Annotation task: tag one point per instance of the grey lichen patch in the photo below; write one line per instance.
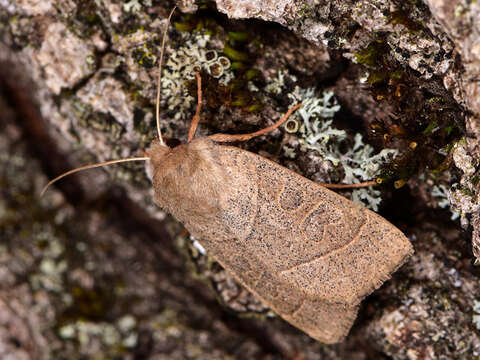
(29, 7)
(333, 147)
(42, 258)
(32, 256)
(419, 44)
(414, 37)
(464, 195)
(196, 53)
(107, 95)
(193, 52)
(476, 314)
(53, 264)
(64, 58)
(281, 11)
(101, 338)
(441, 194)
(132, 6)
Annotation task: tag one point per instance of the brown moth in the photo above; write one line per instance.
(306, 252)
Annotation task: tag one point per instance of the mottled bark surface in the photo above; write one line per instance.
(95, 270)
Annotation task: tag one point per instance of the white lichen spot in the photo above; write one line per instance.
(81, 246)
(276, 84)
(290, 152)
(52, 266)
(364, 78)
(67, 331)
(107, 334)
(110, 335)
(392, 324)
(476, 315)
(50, 276)
(130, 341)
(47, 266)
(132, 6)
(441, 193)
(127, 323)
(198, 246)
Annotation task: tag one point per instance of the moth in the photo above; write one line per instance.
(306, 252)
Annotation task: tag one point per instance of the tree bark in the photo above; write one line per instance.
(95, 270)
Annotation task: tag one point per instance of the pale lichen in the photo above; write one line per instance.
(441, 194)
(64, 57)
(52, 265)
(463, 196)
(317, 133)
(132, 6)
(103, 334)
(476, 315)
(198, 52)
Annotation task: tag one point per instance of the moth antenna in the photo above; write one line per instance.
(245, 137)
(160, 76)
(91, 166)
(196, 117)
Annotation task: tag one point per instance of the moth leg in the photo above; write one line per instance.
(350, 186)
(196, 117)
(245, 137)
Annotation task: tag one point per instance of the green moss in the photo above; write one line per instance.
(370, 56)
(376, 77)
(144, 56)
(235, 55)
(86, 19)
(401, 17)
(237, 65)
(396, 75)
(183, 26)
(430, 127)
(199, 22)
(238, 36)
(422, 115)
(255, 108)
(252, 74)
(88, 304)
(475, 179)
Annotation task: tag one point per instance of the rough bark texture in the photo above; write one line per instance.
(95, 270)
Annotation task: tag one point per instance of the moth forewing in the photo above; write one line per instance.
(305, 251)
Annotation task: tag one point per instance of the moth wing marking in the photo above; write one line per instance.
(350, 273)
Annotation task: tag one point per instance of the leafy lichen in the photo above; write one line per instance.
(317, 133)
